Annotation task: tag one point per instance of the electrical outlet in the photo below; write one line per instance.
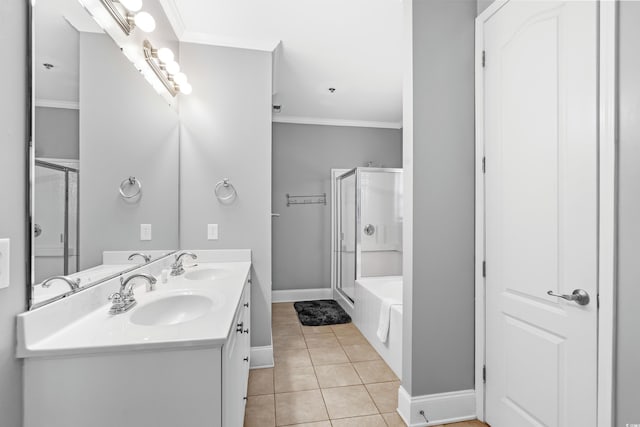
(212, 231)
(5, 262)
(145, 231)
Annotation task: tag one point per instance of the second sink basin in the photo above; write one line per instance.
(171, 310)
(206, 274)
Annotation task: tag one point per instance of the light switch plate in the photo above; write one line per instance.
(5, 262)
(145, 231)
(212, 231)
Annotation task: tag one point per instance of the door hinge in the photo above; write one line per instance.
(484, 165)
(484, 373)
(484, 269)
(484, 59)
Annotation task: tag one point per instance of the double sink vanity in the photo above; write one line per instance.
(166, 344)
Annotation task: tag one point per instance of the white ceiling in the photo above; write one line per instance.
(353, 46)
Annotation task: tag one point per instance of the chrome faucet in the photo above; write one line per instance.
(123, 300)
(177, 267)
(73, 284)
(146, 257)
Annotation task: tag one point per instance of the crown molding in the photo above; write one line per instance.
(53, 103)
(335, 122)
(175, 18)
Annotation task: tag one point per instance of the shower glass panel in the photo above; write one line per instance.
(370, 226)
(380, 223)
(347, 234)
(56, 220)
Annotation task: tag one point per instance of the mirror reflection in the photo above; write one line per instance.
(104, 177)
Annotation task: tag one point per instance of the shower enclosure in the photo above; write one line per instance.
(368, 241)
(55, 234)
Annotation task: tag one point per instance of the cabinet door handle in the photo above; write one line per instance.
(239, 327)
(246, 304)
(246, 331)
(246, 359)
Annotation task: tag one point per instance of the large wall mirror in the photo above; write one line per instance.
(104, 158)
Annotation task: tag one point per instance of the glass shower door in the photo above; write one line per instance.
(347, 234)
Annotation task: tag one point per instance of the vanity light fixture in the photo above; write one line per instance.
(162, 62)
(124, 13)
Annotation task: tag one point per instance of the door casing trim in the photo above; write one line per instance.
(607, 215)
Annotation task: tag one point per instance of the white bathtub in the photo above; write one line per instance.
(369, 293)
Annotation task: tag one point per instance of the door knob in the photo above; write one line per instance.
(580, 296)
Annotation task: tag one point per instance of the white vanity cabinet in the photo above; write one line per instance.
(105, 371)
(235, 365)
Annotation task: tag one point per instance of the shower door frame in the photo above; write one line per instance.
(336, 226)
(65, 251)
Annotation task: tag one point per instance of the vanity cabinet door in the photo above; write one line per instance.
(235, 367)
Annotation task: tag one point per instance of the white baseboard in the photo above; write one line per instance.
(439, 408)
(292, 295)
(262, 357)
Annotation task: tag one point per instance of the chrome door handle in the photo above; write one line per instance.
(580, 296)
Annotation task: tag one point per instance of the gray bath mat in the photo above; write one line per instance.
(321, 312)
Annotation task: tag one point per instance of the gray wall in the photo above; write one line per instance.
(226, 133)
(628, 339)
(126, 129)
(57, 133)
(439, 296)
(13, 31)
(303, 156)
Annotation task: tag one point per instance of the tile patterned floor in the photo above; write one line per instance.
(324, 376)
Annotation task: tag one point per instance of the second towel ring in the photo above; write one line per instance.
(225, 191)
(130, 182)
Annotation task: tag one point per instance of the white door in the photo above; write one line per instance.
(541, 212)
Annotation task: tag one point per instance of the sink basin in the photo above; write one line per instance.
(206, 274)
(171, 310)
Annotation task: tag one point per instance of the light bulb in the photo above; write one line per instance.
(172, 67)
(145, 22)
(165, 55)
(186, 88)
(132, 5)
(180, 79)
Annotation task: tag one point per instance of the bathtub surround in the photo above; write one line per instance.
(439, 208)
(303, 156)
(13, 139)
(226, 133)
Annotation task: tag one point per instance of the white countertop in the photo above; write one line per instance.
(97, 331)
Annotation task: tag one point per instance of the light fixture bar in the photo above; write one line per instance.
(123, 21)
(149, 51)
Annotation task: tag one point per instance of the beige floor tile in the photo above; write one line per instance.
(374, 372)
(260, 411)
(280, 318)
(385, 395)
(300, 407)
(321, 341)
(369, 421)
(352, 338)
(289, 342)
(337, 375)
(344, 328)
(393, 420)
(282, 307)
(361, 352)
(289, 379)
(286, 329)
(311, 330)
(318, 424)
(292, 358)
(347, 402)
(328, 356)
(260, 382)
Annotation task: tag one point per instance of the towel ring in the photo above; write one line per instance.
(225, 191)
(129, 182)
